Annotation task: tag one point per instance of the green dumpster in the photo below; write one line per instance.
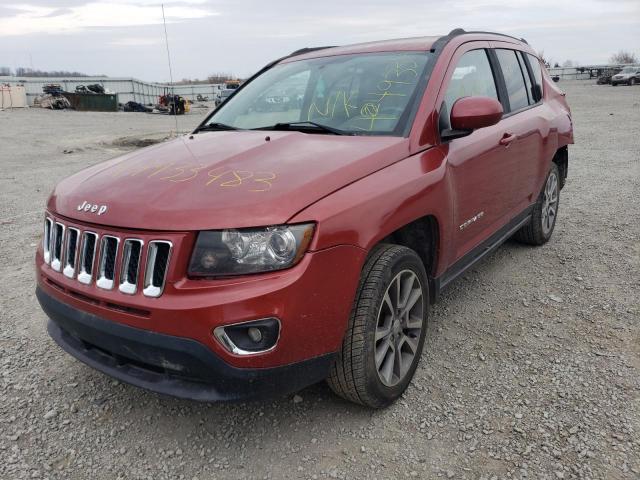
(93, 102)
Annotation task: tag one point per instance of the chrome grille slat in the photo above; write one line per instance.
(129, 269)
(87, 257)
(71, 252)
(155, 274)
(107, 263)
(57, 244)
(46, 240)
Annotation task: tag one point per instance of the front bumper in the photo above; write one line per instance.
(312, 300)
(167, 364)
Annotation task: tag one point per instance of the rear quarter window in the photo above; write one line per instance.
(537, 73)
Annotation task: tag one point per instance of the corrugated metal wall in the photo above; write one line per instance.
(568, 73)
(583, 72)
(127, 88)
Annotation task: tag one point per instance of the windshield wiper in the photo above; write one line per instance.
(215, 126)
(313, 126)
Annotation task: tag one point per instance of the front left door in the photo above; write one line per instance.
(477, 164)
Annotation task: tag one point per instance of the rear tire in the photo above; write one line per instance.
(387, 328)
(545, 212)
(632, 82)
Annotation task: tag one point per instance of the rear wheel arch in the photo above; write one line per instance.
(561, 159)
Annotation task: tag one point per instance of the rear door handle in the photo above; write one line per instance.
(507, 138)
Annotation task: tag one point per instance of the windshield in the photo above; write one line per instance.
(361, 94)
(628, 70)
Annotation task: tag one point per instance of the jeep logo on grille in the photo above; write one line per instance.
(92, 207)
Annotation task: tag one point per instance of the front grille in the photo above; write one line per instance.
(156, 270)
(107, 265)
(57, 239)
(71, 252)
(131, 253)
(46, 240)
(88, 257)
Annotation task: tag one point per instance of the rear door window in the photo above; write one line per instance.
(513, 79)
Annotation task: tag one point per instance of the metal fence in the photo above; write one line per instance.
(128, 89)
(585, 72)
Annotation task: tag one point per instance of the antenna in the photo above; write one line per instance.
(173, 95)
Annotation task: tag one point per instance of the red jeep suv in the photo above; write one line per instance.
(302, 231)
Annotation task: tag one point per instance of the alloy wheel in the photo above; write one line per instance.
(550, 203)
(398, 329)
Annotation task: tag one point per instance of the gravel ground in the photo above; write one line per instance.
(530, 368)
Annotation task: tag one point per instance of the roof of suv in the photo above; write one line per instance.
(399, 44)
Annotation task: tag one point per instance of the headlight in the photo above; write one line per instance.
(250, 250)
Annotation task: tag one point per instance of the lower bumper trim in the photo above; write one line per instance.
(176, 366)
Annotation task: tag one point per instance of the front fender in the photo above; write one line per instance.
(370, 209)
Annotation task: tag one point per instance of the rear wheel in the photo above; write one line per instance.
(543, 218)
(386, 331)
(632, 81)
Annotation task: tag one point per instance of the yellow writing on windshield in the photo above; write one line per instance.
(397, 81)
(329, 109)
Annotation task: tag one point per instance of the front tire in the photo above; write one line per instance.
(387, 329)
(545, 212)
(632, 82)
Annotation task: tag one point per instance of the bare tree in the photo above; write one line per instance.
(624, 57)
(30, 72)
(5, 71)
(544, 59)
(220, 77)
(567, 64)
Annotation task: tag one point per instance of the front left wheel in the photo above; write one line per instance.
(387, 328)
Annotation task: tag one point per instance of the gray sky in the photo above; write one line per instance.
(125, 37)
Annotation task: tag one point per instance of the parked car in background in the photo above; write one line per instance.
(224, 94)
(270, 250)
(627, 76)
(605, 78)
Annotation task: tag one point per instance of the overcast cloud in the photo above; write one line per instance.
(125, 38)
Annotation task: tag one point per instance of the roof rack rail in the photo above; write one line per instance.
(459, 31)
(308, 49)
(442, 41)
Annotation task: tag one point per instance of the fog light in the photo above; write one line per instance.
(257, 336)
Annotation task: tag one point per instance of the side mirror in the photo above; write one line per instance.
(470, 113)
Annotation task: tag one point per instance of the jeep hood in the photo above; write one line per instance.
(221, 179)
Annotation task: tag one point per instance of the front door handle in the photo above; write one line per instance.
(507, 138)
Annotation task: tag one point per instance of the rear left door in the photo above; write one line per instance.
(525, 125)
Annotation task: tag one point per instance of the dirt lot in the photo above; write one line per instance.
(531, 368)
